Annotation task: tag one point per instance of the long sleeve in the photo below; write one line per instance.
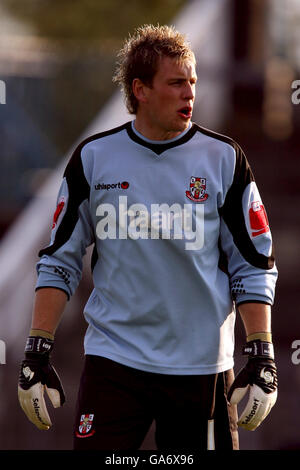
(60, 263)
(246, 239)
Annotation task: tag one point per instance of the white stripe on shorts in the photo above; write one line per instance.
(210, 435)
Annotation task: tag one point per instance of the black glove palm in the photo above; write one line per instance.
(36, 376)
(259, 376)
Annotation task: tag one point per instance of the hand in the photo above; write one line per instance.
(36, 376)
(259, 376)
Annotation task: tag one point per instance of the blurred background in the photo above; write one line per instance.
(57, 59)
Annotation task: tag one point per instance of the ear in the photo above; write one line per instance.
(140, 90)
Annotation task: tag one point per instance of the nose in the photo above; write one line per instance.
(189, 91)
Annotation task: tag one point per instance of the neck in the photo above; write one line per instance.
(153, 132)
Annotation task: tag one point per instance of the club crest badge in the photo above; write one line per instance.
(85, 426)
(197, 191)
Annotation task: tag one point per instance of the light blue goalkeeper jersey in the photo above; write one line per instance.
(180, 237)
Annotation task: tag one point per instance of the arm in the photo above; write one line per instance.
(247, 242)
(256, 318)
(59, 272)
(48, 308)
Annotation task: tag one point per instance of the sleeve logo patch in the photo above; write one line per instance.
(258, 219)
(58, 211)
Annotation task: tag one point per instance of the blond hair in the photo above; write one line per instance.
(140, 55)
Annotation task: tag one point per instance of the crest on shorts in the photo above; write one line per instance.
(85, 426)
(197, 191)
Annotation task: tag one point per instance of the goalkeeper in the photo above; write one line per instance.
(181, 243)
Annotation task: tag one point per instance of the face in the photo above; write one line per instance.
(165, 108)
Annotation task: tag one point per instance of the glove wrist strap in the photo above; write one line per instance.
(43, 333)
(38, 345)
(262, 335)
(258, 348)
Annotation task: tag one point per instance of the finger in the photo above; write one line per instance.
(55, 396)
(257, 409)
(54, 388)
(237, 394)
(33, 404)
(239, 387)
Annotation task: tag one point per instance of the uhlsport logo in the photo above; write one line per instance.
(107, 187)
(197, 191)
(159, 221)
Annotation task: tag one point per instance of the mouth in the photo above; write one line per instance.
(185, 112)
